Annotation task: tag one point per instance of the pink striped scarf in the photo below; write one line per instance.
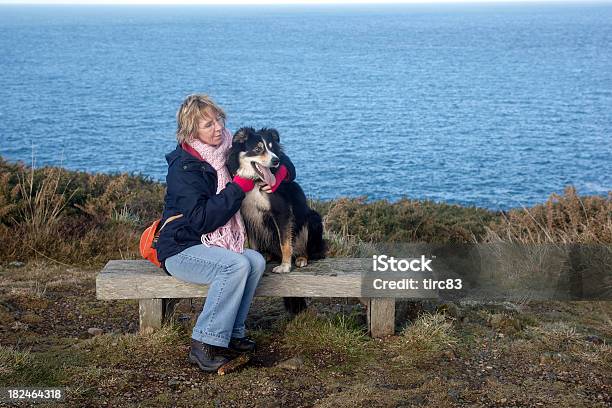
(231, 235)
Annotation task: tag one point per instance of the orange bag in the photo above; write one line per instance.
(149, 238)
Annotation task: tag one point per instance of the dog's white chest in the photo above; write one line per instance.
(254, 208)
(254, 204)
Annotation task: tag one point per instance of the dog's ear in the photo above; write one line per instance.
(232, 163)
(273, 133)
(242, 135)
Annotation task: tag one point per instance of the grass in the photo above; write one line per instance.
(76, 218)
(434, 361)
(326, 341)
(12, 360)
(430, 332)
(21, 367)
(565, 219)
(73, 218)
(66, 224)
(113, 350)
(425, 339)
(405, 220)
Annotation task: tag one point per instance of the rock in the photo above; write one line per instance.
(172, 382)
(16, 264)
(293, 363)
(594, 339)
(94, 331)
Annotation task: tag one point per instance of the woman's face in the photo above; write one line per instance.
(210, 128)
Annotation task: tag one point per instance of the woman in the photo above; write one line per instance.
(204, 240)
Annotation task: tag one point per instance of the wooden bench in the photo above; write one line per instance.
(158, 292)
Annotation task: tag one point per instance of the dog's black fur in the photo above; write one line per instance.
(278, 220)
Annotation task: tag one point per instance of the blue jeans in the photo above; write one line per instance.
(232, 279)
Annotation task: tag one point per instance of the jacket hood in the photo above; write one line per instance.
(173, 155)
(177, 154)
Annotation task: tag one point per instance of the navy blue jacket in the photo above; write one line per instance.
(192, 191)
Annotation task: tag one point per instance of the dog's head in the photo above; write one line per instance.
(255, 154)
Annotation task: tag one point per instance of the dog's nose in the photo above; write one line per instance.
(275, 161)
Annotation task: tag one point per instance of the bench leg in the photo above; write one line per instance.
(381, 316)
(153, 312)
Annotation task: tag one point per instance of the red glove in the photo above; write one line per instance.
(280, 175)
(245, 184)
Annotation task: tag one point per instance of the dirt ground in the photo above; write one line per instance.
(443, 355)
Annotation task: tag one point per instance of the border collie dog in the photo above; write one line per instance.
(279, 224)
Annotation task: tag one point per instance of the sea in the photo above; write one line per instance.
(489, 105)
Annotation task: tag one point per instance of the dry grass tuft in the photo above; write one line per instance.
(326, 341)
(73, 217)
(430, 332)
(112, 350)
(41, 201)
(556, 336)
(566, 219)
(426, 339)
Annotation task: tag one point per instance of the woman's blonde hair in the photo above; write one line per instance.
(191, 111)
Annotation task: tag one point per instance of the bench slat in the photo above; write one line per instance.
(139, 279)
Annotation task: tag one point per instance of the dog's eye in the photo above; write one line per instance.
(258, 149)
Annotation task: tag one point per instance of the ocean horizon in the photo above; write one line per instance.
(491, 105)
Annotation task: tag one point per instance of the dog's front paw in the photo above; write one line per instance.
(301, 261)
(282, 268)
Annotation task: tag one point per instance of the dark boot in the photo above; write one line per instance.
(242, 345)
(206, 356)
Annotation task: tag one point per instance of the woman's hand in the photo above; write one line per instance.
(280, 175)
(245, 184)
